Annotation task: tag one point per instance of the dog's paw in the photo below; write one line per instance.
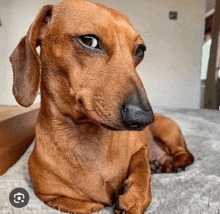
(168, 166)
(155, 167)
(178, 163)
(118, 210)
(133, 200)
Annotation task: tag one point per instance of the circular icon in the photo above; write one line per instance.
(19, 197)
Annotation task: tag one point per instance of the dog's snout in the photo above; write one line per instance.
(136, 114)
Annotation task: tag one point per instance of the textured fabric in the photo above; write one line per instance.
(196, 190)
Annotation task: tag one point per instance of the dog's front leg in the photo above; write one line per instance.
(137, 191)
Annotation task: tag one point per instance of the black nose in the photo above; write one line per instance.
(136, 113)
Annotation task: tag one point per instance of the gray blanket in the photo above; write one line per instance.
(196, 190)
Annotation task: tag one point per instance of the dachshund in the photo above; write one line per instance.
(97, 138)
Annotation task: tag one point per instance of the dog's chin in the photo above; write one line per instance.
(111, 127)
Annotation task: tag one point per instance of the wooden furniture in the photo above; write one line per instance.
(211, 89)
(17, 131)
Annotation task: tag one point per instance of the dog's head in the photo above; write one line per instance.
(86, 67)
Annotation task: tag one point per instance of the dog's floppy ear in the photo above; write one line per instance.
(26, 62)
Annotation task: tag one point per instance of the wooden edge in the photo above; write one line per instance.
(7, 112)
(17, 131)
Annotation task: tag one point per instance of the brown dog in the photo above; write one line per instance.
(86, 72)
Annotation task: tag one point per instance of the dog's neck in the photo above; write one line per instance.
(69, 135)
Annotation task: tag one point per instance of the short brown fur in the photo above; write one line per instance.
(77, 165)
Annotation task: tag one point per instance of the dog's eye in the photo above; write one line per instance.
(139, 52)
(89, 41)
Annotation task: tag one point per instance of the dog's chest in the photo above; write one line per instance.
(109, 179)
(112, 167)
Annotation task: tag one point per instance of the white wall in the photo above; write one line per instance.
(5, 79)
(171, 68)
